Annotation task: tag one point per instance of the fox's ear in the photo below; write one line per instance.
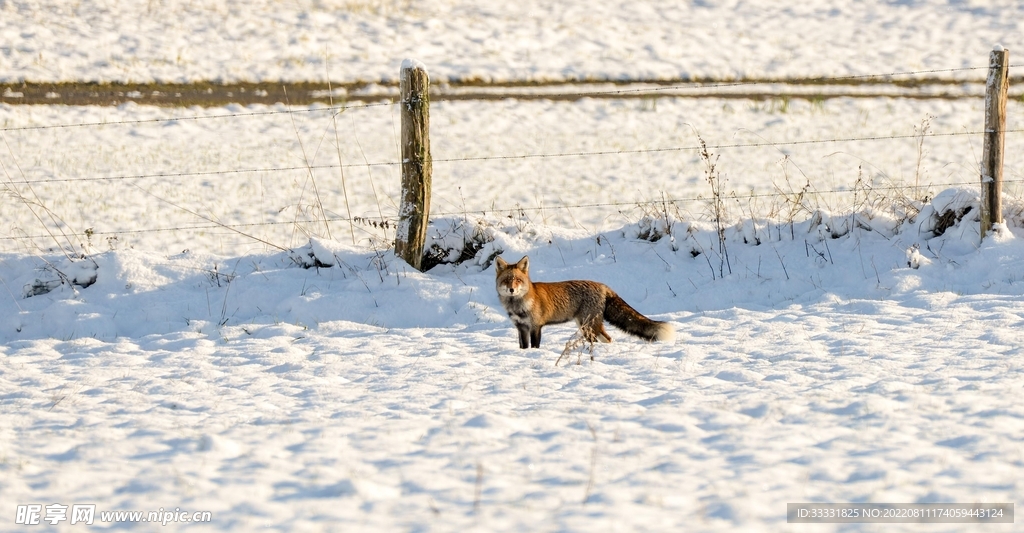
(524, 264)
(501, 263)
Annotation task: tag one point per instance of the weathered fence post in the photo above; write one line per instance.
(995, 134)
(416, 164)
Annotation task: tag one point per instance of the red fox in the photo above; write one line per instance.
(532, 306)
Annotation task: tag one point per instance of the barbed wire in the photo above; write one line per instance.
(760, 144)
(197, 174)
(517, 208)
(200, 227)
(731, 196)
(309, 109)
(339, 109)
(690, 84)
(598, 153)
(804, 81)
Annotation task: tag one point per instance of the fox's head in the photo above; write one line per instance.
(512, 280)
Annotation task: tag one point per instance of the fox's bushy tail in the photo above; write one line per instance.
(621, 315)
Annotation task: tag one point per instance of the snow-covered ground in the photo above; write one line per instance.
(844, 353)
(366, 395)
(366, 40)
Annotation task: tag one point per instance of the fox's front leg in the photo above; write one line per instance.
(524, 335)
(535, 338)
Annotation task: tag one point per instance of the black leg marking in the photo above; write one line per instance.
(524, 336)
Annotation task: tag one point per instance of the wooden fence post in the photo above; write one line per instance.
(995, 133)
(414, 211)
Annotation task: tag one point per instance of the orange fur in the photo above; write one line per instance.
(533, 305)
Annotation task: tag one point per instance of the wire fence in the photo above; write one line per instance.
(648, 88)
(510, 157)
(394, 220)
(15, 179)
(250, 114)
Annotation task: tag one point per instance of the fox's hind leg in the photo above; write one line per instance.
(593, 330)
(602, 335)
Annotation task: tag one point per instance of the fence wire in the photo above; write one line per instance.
(391, 221)
(823, 80)
(338, 109)
(598, 153)
(311, 109)
(804, 81)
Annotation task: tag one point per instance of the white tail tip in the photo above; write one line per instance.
(666, 333)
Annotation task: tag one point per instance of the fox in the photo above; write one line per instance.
(533, 305)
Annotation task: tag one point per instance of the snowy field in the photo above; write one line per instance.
(368, 396)
(221, 348)
(265, 171)
(366, 40)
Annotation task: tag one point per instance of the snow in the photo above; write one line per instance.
(410, 63)
(366, 40)
(212, 344)
(251, 167)
(366, 394)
